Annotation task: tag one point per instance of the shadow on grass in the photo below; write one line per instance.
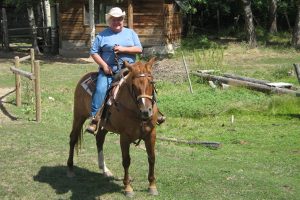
(85, 185)
(290, 115)
(3, 109)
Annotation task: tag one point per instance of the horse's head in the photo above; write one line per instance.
(142, 86)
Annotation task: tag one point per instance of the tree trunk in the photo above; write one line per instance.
(92, 21)
(287, 21)
(54, 29)
(34, 30)
(251, 35)
(296, 32)
(5, 29)
(218, 20)
(47, 25)
(273, 16)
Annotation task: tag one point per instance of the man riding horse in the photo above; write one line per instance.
(111, 48)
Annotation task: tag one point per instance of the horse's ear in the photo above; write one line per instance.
(152, 60)
(150, 63)
(128, 66)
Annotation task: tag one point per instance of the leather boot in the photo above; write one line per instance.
(93, 126)
(160, 119)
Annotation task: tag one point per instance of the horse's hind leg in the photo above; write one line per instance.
(75, 136)
(100, 138)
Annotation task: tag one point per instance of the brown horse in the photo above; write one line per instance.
(133, 115)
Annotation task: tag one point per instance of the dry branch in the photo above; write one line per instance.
(205, 143)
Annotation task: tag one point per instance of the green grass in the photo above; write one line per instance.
(258, 159)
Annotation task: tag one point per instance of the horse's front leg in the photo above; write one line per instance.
(100, 138)
(150, 147)
(125, 144)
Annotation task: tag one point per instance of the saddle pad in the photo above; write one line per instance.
(89, 84)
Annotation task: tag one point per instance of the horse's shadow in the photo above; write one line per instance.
(85, 185)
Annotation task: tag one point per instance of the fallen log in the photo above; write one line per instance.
(203, 143)
(256, 86)
(242, 78)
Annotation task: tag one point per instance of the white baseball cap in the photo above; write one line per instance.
(114, 12)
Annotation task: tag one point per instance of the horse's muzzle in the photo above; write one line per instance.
(146, 113)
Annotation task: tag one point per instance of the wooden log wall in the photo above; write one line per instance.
(149, 20)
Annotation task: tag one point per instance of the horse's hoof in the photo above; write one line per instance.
(153, 191)
(108, 174)
(70, 174)
(129, 194)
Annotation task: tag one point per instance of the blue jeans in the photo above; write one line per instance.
(102, 85)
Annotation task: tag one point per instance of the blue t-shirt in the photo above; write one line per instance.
(107, 39)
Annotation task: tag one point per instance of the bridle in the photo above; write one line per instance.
(141, 96)
(144, 75)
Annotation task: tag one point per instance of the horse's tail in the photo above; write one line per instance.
(81, 111)
(79, 141)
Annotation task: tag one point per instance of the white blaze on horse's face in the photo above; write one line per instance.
(144, 94)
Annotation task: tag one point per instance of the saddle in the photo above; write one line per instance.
(89, 85)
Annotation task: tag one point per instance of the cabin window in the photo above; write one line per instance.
(101, 7)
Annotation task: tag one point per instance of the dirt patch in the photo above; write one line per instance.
(169, 69)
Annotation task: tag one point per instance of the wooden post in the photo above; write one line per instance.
(37, 90)
(297, 70)
(32, 59)
(187, 73)
(130, 14)
(18, 82)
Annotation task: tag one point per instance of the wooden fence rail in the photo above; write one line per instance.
(34, 75)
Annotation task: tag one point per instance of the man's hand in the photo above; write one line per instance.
(107, 70)
(118, 49)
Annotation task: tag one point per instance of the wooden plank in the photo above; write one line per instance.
(148, 14)
(149, 32)
(146, 24)
(23, 73)
(24, 58)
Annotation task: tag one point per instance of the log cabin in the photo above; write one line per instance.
(158, 24)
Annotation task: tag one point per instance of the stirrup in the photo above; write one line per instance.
(161, 119)
(93, 126)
